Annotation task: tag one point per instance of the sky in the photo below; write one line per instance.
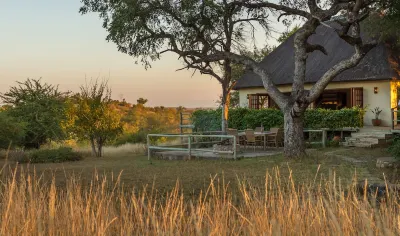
(49, 39)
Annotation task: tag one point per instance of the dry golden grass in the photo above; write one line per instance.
(125, 149)
(32, 206)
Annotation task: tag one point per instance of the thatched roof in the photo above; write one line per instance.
(376, 65)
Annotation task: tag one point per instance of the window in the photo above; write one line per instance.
(260, 101)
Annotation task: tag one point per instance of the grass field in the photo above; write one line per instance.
(108, 196)
(194, 175)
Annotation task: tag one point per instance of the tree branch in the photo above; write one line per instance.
(278, 7)
(318, 88)
(270, 87)
(312, 5)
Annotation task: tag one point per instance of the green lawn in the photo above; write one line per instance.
(194, 175)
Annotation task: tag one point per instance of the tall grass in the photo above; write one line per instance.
(31, 206)
(124, 149)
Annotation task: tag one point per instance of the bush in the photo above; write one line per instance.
(139, 137)
(62, 154)
(394, 149)
(242, 118)
(11, 131)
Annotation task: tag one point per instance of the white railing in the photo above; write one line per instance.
(190, 144)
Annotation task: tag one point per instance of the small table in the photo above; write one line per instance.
(259, 134)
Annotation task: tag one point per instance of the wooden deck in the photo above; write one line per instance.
(183, 155)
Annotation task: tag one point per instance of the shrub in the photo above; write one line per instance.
(138, 137)
(242, 118)
(394, 149)
(11, 131)
(61, 154)
(207, 120)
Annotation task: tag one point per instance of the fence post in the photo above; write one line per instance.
(148, 148)
(324, 137)
(190, 146)
(234, 147)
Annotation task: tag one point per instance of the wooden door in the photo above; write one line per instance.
(357, 97)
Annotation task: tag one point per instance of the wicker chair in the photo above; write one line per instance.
(250, 138)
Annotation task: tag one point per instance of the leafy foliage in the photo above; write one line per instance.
(286, 34)
(41, 107)
(93, 118)
(383, 24)
(394, 149)
(242, 118)
(62, 154)
(377, 111)
(11, 131)
(138, 121)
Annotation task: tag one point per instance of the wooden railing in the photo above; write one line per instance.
(189, 144)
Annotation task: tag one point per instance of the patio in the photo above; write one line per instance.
(231, 145)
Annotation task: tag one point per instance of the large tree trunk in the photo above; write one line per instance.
(100, 144)
(99, 150)
(294, 137)
(92, 143)
(226, 101)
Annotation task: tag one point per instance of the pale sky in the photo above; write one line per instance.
(51, 40)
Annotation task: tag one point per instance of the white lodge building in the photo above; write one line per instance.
(373, 83)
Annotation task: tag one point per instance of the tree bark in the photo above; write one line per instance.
(92, 143)
(226, 100)
(294, 146)
(99, 150)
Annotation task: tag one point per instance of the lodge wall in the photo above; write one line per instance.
(382, 99)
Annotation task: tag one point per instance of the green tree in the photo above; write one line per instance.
(142, 101)
(384, 23)
(12, 132)
(93, 117)
(204, 33)
(41, 107)
(286, 34)
(148, 29)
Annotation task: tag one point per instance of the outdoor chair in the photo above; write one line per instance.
(276, 138)
(250, 139)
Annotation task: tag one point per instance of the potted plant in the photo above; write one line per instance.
(376, 121)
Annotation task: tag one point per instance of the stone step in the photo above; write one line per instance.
(360, 145)
(364, 144)
(366, 140)
(384, 135)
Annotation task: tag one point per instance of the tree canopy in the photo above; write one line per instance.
(12, 132)
(41, 107)
(93, 117)
(190, 28)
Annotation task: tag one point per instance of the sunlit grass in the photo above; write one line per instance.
(32, 206)
(125, 149)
